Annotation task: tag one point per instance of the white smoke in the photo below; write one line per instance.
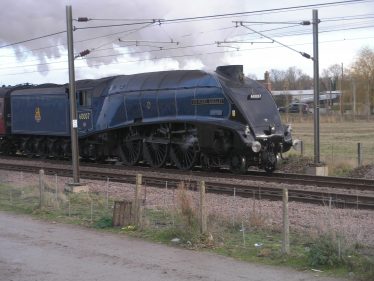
(26, 19)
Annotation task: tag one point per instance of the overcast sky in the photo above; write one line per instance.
(192, 44)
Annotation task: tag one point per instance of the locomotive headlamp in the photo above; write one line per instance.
(289, 128)
(256, 146)
(247, 131)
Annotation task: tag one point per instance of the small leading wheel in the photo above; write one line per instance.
(185, 155)
(156, 154)
(238, 164)
(269, 161)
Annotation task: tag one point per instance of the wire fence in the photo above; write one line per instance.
(354, 154)
(248, 224)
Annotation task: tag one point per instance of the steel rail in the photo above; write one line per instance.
(331, 197)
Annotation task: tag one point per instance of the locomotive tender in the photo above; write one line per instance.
(184, 117)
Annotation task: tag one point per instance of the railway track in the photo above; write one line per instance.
(277, 177)
(339, 192)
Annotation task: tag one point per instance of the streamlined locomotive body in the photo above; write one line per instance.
(184, 118)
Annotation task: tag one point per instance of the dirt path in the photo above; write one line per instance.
(32, 250)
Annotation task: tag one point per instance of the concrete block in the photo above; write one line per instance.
(76, 188)
(321, 170)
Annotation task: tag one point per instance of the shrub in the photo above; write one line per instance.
(328, 251)
(104, 222)
(186, 222)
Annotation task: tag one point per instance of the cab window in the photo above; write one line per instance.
(85, 98)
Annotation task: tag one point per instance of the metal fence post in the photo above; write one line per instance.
(203, 222)
(41, 188)
(286, 225)
(138, 188)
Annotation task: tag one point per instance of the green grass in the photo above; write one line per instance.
(338, 141)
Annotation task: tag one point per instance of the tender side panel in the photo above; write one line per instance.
(40, 114)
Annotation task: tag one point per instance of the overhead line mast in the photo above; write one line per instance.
(72, 98)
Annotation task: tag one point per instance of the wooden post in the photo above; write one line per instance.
(286, 225)
(41, 188)
(107, 192)
(302, 148)
(56, 187)
(359, 154)
(203, 222)
(137, 203)
(122, 213)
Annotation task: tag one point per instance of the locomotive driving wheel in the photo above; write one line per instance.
(130, 148)
(156, 147)
(156, 153)
(185, 153)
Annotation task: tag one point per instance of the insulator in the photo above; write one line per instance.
(84, 53)
(305, 22)
(83, 19)
(305, 55)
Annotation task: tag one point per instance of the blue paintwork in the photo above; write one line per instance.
(168, 96)
(159, 97)
(40, 112)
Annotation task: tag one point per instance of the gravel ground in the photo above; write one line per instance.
(366, 172)
(33, 250)
(355, 225)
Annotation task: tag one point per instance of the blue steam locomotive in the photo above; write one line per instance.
(184, 118)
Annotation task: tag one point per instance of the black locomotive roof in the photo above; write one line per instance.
(90, 83)
(163, 80)
(49, 89)
(4, 91)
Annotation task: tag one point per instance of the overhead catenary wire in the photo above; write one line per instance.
(215, 16)
(115, 25)
(192, 46)
(32, 39)
(97, 48)
(179, 56)
(280, 43)
(83, 40)
(188, 46)
(332, 19)
(208, 17)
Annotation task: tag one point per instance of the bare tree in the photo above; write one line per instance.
(363, 73)
(290, 79)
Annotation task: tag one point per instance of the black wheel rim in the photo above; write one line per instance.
(270, 162)
(238, 164)
(156, 154)
(130, 152)
(184, 156)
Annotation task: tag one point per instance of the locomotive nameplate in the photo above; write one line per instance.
(207, 101)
